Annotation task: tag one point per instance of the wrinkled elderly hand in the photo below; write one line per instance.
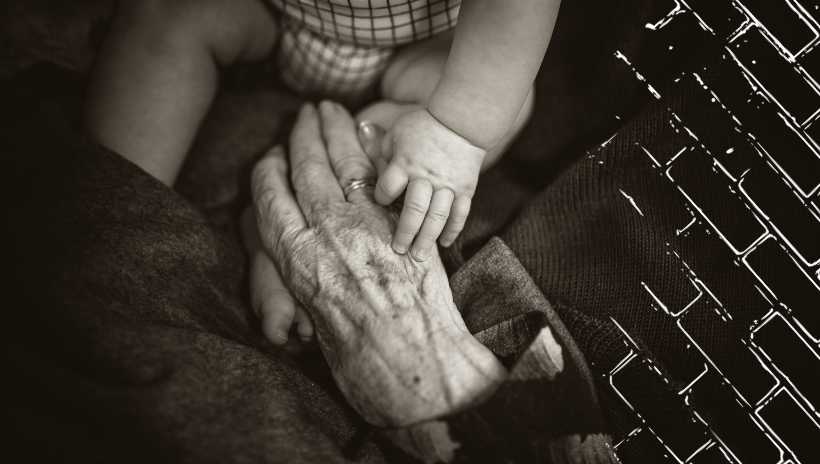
(387, 325)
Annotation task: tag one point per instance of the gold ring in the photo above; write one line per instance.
(357, 184)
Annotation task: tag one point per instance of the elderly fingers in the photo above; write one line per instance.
(313, 180)
(304, 325)
(270, 299)
(346, 155)
(434, 223)
(416, 203)
(456, 221)
(277, 213)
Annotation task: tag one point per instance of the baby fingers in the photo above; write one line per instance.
(456, 221)
(433, 224)
(416, 203)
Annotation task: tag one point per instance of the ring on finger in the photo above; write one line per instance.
(357, 184)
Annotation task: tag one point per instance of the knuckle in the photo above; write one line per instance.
(427, 235)
(422, 246)
(347, 163)
(415, 207)
(303, 163)
(437, 215)
(284, 246)
(262, 171)
(384, 189)
(305, 169)
(264, 199)
(456, 222)
(404, 236)
(422, 184)
(402, 244)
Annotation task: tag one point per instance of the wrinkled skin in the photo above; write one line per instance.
(387, 325)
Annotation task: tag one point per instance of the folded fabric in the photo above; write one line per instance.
(134, 338)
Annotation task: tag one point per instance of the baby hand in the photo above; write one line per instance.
(437, 170)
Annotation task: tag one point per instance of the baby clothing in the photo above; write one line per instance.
(340, 48)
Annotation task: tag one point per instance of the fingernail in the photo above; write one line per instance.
(420, 255)
(325, 106)
(279, 338)
(400, 249)
(277, 151)
(366, 130)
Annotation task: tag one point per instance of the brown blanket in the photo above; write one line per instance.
(135, 340)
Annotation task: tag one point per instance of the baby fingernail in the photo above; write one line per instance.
(366, 129)
(420, 254)
(399, 248)
(279, 338)
(307, 109)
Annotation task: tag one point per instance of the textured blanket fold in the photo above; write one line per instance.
(135, 340)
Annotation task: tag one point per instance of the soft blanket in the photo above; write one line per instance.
(133, 339)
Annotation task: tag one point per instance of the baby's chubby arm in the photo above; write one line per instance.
(437, 151)
(496, 53)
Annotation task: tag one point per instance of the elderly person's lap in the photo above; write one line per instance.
(136, 316)
(134, 339)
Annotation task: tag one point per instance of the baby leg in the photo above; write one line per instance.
(157, 73)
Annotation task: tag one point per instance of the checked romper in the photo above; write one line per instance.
(341, 48)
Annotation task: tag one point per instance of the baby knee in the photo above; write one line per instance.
(415, 71)
(411, 79)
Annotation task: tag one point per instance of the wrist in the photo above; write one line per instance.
(400, 348)
(477, 147)
(475, 118)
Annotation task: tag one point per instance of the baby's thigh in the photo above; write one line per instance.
(416, 69)
(231, 30)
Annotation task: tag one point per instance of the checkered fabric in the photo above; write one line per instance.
(340, 48)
